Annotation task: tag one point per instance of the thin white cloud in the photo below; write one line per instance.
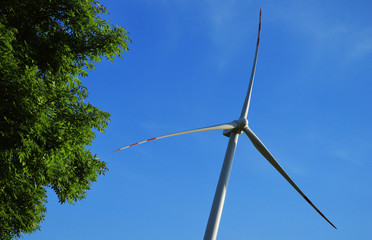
(227, 28)
(325, 29)
(363, 43)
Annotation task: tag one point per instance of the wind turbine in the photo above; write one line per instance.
(233, 130)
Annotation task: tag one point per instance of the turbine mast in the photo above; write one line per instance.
(219, 197)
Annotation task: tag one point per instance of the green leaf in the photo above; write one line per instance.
(47, 48)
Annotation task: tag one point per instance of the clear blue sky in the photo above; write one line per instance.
(189, 67)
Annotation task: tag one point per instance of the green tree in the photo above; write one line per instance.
(46, 47)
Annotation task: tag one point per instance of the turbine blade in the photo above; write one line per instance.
(265, 152)
(215, 127)
(248, 96)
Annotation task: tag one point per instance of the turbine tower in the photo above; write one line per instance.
(233, 130)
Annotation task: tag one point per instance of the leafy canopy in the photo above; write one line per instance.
(46, 46)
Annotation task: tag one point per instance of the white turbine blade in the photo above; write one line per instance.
(215, 127)
(248, 96)
(265, 152)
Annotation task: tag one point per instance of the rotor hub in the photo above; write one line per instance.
(240, 124)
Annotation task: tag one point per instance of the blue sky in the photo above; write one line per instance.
(189, 67)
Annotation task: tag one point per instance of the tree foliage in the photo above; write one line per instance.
(46, 47)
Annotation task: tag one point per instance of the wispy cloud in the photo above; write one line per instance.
(363, 43)
(324, 28)
(227, 28)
